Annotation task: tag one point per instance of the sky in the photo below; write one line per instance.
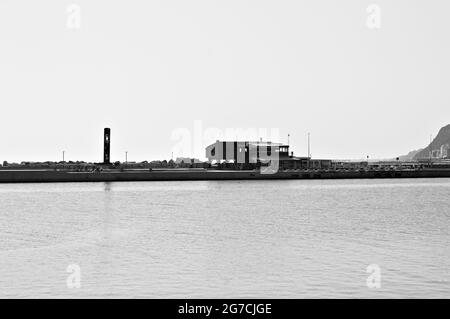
(174, 76)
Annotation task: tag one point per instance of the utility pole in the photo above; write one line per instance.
(309, 150)
(431, 150)
(288, 138)
(309, 145)
(126, 157)
(63, 154)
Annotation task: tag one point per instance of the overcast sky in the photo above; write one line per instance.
(149, 68)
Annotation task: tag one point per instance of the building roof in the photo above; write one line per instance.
(254, 143)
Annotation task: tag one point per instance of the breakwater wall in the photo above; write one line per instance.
(50, 176)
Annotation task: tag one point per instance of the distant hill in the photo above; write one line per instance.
(410, 156)
(439, 147)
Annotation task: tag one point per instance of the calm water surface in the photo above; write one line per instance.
(274, 239)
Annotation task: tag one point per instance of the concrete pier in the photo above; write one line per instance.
(52, 176)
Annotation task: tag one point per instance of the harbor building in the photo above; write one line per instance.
(250, 155)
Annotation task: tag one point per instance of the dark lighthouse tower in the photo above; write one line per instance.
(107, 146)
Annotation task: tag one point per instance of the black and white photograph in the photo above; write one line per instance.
(246, 150)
